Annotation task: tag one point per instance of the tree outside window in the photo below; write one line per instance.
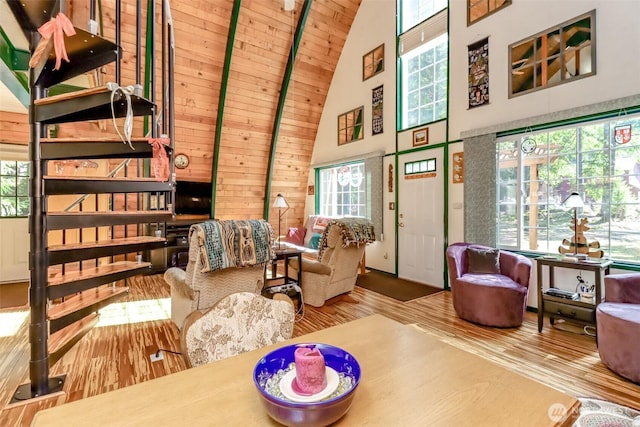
(14, 189)
(538, 171)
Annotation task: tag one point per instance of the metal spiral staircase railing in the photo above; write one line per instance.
(80, 256)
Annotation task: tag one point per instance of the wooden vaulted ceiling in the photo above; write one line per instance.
(248, 163)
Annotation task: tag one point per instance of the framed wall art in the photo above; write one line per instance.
(373, 62)
(479, 73)
(420, 137)
(376, 110)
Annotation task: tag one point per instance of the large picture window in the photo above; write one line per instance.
(536, 172)
(413, 12)
(343, 191)
(14, 189)
(424, 72)
(557, 55)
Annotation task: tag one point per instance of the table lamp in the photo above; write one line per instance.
(574, 201)
(281, 204)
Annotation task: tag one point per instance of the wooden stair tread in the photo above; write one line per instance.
(71, 95)
(114, 213)
(104, 243)
(102, 178)
(64, 339)
(85, 299)
(102, 270)
(90, 139)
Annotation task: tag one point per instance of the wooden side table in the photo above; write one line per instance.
(582, 311)
(285, 254)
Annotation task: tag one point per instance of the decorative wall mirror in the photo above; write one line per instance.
(350, 126)
(373, 62)
(478, 9)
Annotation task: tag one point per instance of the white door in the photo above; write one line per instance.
(14, 232)
(421, 217)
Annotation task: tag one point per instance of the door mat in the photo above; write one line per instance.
(391, 286)
(14, 295)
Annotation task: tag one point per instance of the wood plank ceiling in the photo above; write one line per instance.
(262, 42)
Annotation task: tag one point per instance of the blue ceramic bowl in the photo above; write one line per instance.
(297, 414)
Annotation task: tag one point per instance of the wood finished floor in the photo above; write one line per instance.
(112, 357)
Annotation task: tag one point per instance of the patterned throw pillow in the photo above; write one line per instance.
(320, 224)
(314, 243)
(296, 236)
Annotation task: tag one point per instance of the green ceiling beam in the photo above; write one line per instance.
(284, 88)
(13, 60)
(233, 25)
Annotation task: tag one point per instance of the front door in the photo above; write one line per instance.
(421, 216)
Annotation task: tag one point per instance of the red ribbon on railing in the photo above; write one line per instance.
(160, 161)
(56, 27)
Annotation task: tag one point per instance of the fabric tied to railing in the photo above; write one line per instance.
(57, 28)
(160, 161)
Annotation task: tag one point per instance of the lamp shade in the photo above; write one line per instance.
(280, 202)
(573, 201)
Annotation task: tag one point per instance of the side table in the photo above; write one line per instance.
(290, 287)
(581, 311)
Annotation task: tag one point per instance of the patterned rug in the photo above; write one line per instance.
(600, 413)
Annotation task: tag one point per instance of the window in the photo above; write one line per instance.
(478, 9)
(557, 55)
(424, 72)
(14, 188)
(343, 191)
(416, 11)
(536, 172)
(350, 126)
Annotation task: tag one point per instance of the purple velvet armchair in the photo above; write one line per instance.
(618, 324)
(493, 296)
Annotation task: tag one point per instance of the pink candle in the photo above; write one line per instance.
(311, 377)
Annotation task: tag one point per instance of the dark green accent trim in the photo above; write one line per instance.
(63, 88)
(445, 270)
(433, 122)
(16, 59)
(423, 148)
(284, 88)
(147, 63)
(568, 122)
(221, 102)
(14, 84)
(317, 192)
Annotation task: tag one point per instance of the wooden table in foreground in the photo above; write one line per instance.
(408, 378)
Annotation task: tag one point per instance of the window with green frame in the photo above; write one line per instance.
(343, 190)
(536, 172)
(14, 189)
(412, 12)
(423, 65)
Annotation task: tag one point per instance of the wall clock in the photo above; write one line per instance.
(181, 161)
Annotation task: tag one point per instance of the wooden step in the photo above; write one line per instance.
(86, 52)
(63, 340)
(71, 252)
(95, 148)
(102, 185)
(65, 220)
(79, 306)
(60, 285)
(88, 104)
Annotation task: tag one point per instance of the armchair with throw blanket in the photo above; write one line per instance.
(335, 271)
(224, 257)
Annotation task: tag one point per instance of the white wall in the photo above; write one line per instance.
(617, 35)
(373, 25)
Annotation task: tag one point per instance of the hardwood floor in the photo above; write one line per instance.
(113, 356)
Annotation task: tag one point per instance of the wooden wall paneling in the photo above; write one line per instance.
(14, 128)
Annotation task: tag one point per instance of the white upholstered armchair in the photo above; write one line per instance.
(335, 271)
(206, 281)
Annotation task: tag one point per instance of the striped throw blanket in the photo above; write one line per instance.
(233, 243)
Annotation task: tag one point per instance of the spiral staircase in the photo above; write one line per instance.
(90, 232)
